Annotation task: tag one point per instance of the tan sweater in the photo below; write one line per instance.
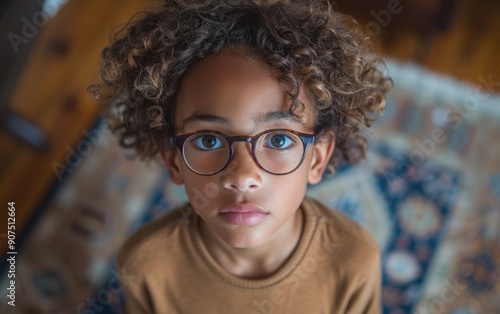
(335, 268)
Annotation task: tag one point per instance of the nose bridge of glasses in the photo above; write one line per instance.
(240, 138)
(245, 139)
(245, 152)
(234, 139)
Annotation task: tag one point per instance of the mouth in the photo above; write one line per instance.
(243, 214)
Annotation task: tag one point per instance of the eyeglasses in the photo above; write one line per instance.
(276, 151)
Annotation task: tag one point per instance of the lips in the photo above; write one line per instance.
(243, 214)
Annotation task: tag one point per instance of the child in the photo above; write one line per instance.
(244, 102)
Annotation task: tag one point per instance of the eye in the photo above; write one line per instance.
(207, 142)
(279, 141)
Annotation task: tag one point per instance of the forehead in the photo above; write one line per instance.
(238, 88)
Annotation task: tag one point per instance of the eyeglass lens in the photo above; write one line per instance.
(277, 152)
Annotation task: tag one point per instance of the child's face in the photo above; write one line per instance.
(231, 93)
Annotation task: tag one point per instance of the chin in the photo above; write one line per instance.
(244, 241)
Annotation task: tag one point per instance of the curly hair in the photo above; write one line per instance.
(303, 42)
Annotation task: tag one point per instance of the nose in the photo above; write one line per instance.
(242, 173)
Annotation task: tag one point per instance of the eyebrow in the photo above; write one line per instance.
(277, 116)
(205, 118)
(261, 118)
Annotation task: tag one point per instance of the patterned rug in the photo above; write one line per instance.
(429, 192)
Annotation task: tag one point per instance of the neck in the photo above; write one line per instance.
(256, 262)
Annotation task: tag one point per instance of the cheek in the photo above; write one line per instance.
(291, 186)
(201, 191)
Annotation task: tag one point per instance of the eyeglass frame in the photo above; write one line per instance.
(307, 139)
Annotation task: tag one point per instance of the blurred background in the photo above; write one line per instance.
(429, 190)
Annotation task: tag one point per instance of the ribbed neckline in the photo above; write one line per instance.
(310, 224)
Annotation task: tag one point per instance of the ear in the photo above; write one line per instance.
(322, 151)
(172, 159)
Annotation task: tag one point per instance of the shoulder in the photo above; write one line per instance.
(352, 264)
(351, 247)
(154, 241)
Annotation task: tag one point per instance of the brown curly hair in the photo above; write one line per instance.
(303, 42)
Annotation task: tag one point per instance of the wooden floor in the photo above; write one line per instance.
(52, 93)
(468, 49)
(52, 90)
